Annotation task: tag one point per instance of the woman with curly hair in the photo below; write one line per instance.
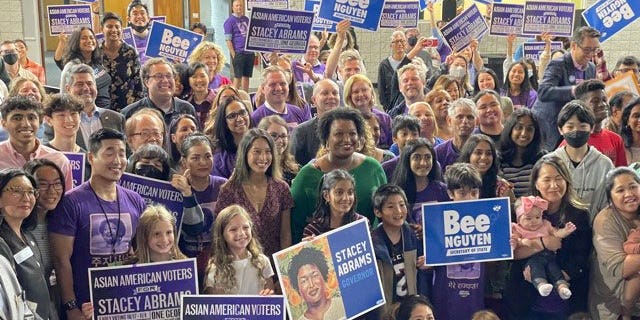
(211, 56)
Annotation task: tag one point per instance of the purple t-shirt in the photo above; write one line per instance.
(446, 154)
(525, 99)
(235, 29)
(302, 77)
(141, 47)
(192, 245)
(100, 237)
(223, 163)
(435, 191)
(384, 120)
(293, 117)
(389, 167)
(458, 290)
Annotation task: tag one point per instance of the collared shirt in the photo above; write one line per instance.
(36, 69)
(12, 159)
(24, 73)
(89, 124)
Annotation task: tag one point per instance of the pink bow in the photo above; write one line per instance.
(529, 202)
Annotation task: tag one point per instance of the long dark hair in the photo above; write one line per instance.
(405, 178)
(526, 84)
(489, 178)
(508, 148)
(73, 49)
(6, 175)
(223, 137)
(625, 131)
(496, 81)
(322, 214)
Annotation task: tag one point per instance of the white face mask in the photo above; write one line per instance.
(457, 72)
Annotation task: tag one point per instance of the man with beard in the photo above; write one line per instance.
(138, 16)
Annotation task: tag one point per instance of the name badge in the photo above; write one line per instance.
(23, 255)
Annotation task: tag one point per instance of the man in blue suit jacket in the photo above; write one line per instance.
(561, 78)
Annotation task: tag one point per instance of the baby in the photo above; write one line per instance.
(531, 226)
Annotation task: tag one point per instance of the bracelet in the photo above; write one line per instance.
(70, 305)
(542, 242)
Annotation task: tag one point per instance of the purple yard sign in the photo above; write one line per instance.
(68, 18)
(506, 19)
(400, 14)
(232, 307)
(553, 17)
(532, 50)
(468, 25)
(284, 31)
(142, 291)
(77, 161)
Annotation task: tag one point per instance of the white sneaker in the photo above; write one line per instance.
(564, 293)
(545, 289)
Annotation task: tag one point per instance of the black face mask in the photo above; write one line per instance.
(10, 58)
(139, 29)
(149, 171)
(577, 138)
(412, 41)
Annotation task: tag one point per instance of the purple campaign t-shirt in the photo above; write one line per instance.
(384, 120)
(223, 163)
(446, 154)
(435, 191)
(235, 28)
(98, 234)
(458, 291)
(141, 47)
(293, 117)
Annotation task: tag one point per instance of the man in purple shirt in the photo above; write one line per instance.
(309, 69)
(462, 119)
(235, 32)
(275, 88)
(138, 16)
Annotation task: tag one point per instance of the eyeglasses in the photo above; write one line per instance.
(161, 76)
(589, 50)
(276, 136)
(399, 41)
(46, 186)
(149, 134)
(17, 193)
(235, 115)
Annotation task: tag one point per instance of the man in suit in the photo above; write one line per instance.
(81, 85)
(304, 139)
(561, 78)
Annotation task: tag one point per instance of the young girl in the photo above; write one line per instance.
(418, 173)
(531, 226)
(518, 87)
(237, 265)
(480, 151)
(200, 191)
(336, 203)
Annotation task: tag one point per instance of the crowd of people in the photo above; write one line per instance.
(318, 146)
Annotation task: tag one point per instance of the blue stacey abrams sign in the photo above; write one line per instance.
(467, 231)
(611, 16)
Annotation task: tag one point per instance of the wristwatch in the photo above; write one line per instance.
(70, 305)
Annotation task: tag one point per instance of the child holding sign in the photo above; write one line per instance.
(458, 289)
(237, 264)
(531, 226)
(336, 204)
(398, 251)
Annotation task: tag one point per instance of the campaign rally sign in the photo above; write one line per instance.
(142, 291)
(68, 18)
(319, 24)
(506, 19)
(468, 25)
(77, 161)
(155, 191)
(204, 307)
(363, 14)
(532, 50)
(274, 4)
(400, 14)
(611, 16)
(162, 19)
(285, 31)
(467, 231)
(552, 17)
(127, 37)
(627, 81)
(352, 282)
(171, 42)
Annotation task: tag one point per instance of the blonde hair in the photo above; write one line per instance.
(428, 106)
(484, 315)
(221, 256)
(203, 47)
(152, 215)
(350, 82)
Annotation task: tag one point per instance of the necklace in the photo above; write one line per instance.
(114, 238)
